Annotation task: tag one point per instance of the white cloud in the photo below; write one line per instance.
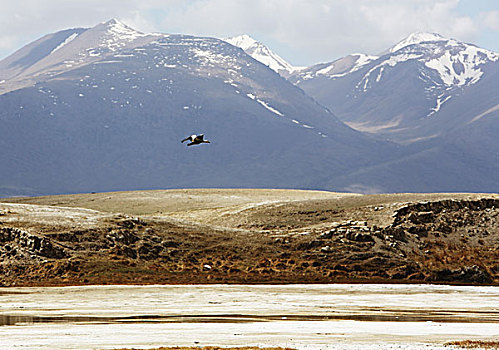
(302, 31)
(491, 20)
(323, 29)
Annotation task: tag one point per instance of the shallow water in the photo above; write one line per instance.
(299, 316)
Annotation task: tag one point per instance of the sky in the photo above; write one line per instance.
(303, 32)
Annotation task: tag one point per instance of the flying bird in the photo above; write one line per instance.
(195, 139)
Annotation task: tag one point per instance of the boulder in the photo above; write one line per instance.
(359, 237)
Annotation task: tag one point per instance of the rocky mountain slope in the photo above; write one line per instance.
(249, 236)
(105, 108)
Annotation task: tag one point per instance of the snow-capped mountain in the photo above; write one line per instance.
(105, 108)
(395, 93)
(456, 63)
(68, 49)
(434, 95)
(263, 54)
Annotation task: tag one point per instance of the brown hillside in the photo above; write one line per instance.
(249, 236)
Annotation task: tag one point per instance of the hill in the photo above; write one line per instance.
(249, 236)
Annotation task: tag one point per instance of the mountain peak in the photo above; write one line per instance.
(113, 26)
(417, 38)
(112, 21)
(243, 41)
(261, 53)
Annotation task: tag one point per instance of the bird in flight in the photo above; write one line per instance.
(195, 139)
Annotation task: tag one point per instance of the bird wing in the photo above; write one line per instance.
(187, 138)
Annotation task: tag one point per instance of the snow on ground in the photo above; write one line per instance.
(440, 102)
(462, 67)
(270, 108)
(118, 34)
(457, 64)
(265, 104)
(68, 40)
(211, 58)
(312, 335)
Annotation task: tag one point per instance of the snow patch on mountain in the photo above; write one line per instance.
(362, 60)
(209, 57)
(244, 41)
(392, 61)
(456, 63)
(461, 67)
(265, 104)
(334, 71)
(68, 40)
(270, 108)
(440, 101)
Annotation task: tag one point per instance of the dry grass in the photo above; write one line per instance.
(162, 202)
(474, 344)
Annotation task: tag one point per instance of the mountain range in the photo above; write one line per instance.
(436, 96)
(105, 109)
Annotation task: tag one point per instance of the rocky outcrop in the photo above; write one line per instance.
(22, 243)
(424, 212)
(438, 241)
(468, 274)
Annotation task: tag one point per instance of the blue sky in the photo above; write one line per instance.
(303, 32)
